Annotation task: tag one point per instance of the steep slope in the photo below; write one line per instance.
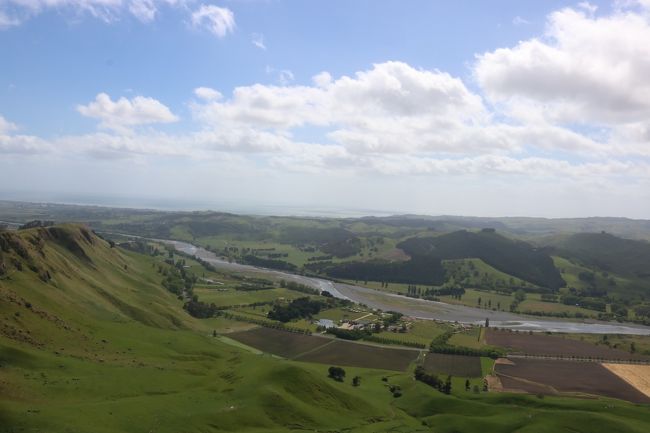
(70, 275)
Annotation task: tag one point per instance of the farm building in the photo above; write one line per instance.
(325, 323)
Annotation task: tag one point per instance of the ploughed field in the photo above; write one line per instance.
(536, 344)
(282, 343)
(309, 348)
(361, 355)
(454, 365)
(552, 377)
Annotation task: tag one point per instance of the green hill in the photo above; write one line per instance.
(514, 258)
(90, 341)
(608, 253)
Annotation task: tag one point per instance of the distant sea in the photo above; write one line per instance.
(169, 204)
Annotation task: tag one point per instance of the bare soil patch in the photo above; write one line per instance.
(454, 365)
(540, 344)
(277, 342)
(361, 355)
(545, 377)
(494, 383)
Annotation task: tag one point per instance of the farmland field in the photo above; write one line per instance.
(454, 365)
(228, 297)
(281, 343)
(468, 338)
(421, 331)
(345, 353)
(640, 343)
(636, 375)
(553, 345)
(549, 377)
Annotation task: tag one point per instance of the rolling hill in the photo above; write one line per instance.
(609, 253)
(516, 258)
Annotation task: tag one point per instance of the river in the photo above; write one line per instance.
(421, 308)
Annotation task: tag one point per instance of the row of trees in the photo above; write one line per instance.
(432, 380)
(262, 322)
(448, 349)
(297, 287)
(440, 345)
(296, 309)
(385, 340)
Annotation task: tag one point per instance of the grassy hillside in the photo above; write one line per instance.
(100, 346)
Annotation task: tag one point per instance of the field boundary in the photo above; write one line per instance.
(311, 350)
(580, 359)
(549, 388)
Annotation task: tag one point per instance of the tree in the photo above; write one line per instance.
(520, 296)
(336, 373)
(356, 381)
(447, 386)
(467, 385)
(487, 322)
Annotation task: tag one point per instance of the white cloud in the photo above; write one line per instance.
(586, 70)
(392, 107)
(23, 145)
(285, 77)
(7, 21)
(14, 12)
(207, 93)
(144, 10)
(124, 113)
(6, 126)
(588, 7)
(219, 21)
(257, 39)
(322, 79)
(19, 144)
(519, 21)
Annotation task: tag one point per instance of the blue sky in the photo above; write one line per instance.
(473, 107)
(58, 59)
